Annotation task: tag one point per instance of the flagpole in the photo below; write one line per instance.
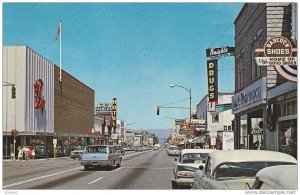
(60, 51)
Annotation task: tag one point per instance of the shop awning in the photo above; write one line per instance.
(222, 108)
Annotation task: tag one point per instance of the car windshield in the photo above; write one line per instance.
(193, 157)
(235, 170)
(174, 148)
(96, 149)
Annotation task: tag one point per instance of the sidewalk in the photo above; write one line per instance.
(38, 159)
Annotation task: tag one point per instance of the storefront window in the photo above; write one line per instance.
(215, 118)
(288, 137)
(243, 133)
(256, 134)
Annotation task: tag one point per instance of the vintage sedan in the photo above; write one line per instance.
(184, 167)
(173, 151)
(77, 152)
(236, 169)
(100, 155)
(282, 177)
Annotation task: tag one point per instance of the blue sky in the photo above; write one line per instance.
(131, 51)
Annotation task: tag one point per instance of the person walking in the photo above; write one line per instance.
(33, 153)
(25, 151)
(20, 153)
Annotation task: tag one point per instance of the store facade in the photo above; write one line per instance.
(269, 120)
(44, 109)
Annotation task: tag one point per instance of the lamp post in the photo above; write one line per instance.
(190, 92)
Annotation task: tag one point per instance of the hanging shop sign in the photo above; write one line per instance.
(217, 53)
(251, 96)
(278, 52)
(104, 108)
(212, 74)
(114, 112)
(39, 102)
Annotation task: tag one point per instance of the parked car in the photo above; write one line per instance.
(40, 151)
(235, 169)
(100, 155)
(77, 152)
(282, 177)
(139, 149)
(155, 148)
(184, 167)
(173, 151)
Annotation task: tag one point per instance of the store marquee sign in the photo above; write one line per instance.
(114, 112)
(250, 97)
(104, 107)
(217, 53)
(278, 52)
(212, 74)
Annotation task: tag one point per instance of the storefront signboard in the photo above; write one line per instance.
(250, 97)
(228, 140)
(278, 52)
(217, 53)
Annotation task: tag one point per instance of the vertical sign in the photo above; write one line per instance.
(212, 74)
(114, 112)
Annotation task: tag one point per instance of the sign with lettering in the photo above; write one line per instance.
(278, 52)
(251, 96)
(39, 101)
(104, 107)
(228, 140)
(217, 53)
(212, 74)
(114, 112)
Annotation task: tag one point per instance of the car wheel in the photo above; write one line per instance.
(174, 185)
(86, 167)
(119, 165)
(112, 166)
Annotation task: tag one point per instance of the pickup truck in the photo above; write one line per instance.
(100, 155)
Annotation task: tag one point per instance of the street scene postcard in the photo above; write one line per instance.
(192, 96)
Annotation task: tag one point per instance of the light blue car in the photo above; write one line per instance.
(100, 155)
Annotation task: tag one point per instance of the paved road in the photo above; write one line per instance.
(139, 170)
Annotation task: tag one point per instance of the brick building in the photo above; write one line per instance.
(257, 87)
(43, 109)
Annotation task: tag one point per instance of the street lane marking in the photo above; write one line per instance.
(95, 180)
(38, 178)
(118, 169)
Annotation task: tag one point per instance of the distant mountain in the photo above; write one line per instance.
(161, 133)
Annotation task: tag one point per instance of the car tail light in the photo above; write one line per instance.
(187, 174)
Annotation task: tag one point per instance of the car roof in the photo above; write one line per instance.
(280, 177)
(184, 151)
(220, 156)
(100, 145)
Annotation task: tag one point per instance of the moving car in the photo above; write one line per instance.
(139, 149)
(282, 177)
(235, 169)
(100, 155)
(155, 148)
(173, 151)
(77, 152)
(184, 167)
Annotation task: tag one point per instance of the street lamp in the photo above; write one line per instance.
(190, 91)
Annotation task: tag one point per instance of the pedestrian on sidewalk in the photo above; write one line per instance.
(12, 156)
(33, 153)
(20, 153)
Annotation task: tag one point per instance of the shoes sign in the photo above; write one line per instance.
(278, 52)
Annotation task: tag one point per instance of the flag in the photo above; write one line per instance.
(58, 32)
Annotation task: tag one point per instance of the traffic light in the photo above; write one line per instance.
(157, 111)
(13, 92)
(14, 132)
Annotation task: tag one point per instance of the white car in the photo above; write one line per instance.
(282, 177)
(173, 151)
(184, 167)
(236, 169)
